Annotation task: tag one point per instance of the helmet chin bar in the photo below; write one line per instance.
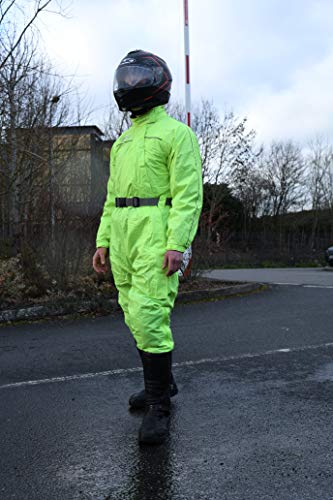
(139, 111)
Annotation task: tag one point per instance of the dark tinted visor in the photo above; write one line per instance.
(127, 77)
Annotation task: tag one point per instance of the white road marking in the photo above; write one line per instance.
(300, 284)
(288, 284)
(124, 371)
(118, 371)
(317, 286)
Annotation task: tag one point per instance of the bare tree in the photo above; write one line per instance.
(33, 100)
(320, 181)
(115, 123)
(206, 124)
(227, 150)
(283, 173)
(177, 110)
(17, 18)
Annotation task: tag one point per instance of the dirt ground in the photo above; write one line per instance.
(19, 289)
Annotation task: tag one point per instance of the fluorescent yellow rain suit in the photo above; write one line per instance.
(157, 157)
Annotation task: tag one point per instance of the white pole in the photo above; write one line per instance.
(187, 65)
(187, 256)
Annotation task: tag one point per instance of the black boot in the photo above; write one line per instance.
(137, 401)
(157, 373)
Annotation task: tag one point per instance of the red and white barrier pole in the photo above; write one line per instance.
(187, 65)
(187, 257)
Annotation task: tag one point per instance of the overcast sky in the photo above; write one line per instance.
(269, 60)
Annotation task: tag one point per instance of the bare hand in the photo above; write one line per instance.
(99, 260)
(172, 260)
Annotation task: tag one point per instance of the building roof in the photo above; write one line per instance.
(79, 129)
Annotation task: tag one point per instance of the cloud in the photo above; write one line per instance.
(98, 34)
(300, 111)
(269, 60)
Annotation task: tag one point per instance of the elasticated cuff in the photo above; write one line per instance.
(175, 246)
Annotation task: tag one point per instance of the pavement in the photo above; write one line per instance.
(252, 420)
(285, 276)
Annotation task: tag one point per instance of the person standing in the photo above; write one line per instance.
(150, 216)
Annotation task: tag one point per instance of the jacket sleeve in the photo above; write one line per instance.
(186, 190)
(104, 230)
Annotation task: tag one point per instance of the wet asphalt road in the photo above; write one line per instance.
(253, 419)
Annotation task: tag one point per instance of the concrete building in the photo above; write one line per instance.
(51, 174)
(80, 164)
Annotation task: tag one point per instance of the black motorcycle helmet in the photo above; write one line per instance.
(141, 82)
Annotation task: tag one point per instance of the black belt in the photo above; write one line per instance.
(139, 202)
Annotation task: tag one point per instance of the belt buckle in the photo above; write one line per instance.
(136, 201)
(120, 202)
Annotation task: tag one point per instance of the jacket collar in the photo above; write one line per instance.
(150, 117)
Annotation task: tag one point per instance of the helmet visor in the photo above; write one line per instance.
(128, 77)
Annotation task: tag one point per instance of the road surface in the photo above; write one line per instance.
(252, 421)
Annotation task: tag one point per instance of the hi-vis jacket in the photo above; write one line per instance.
(158, 157)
